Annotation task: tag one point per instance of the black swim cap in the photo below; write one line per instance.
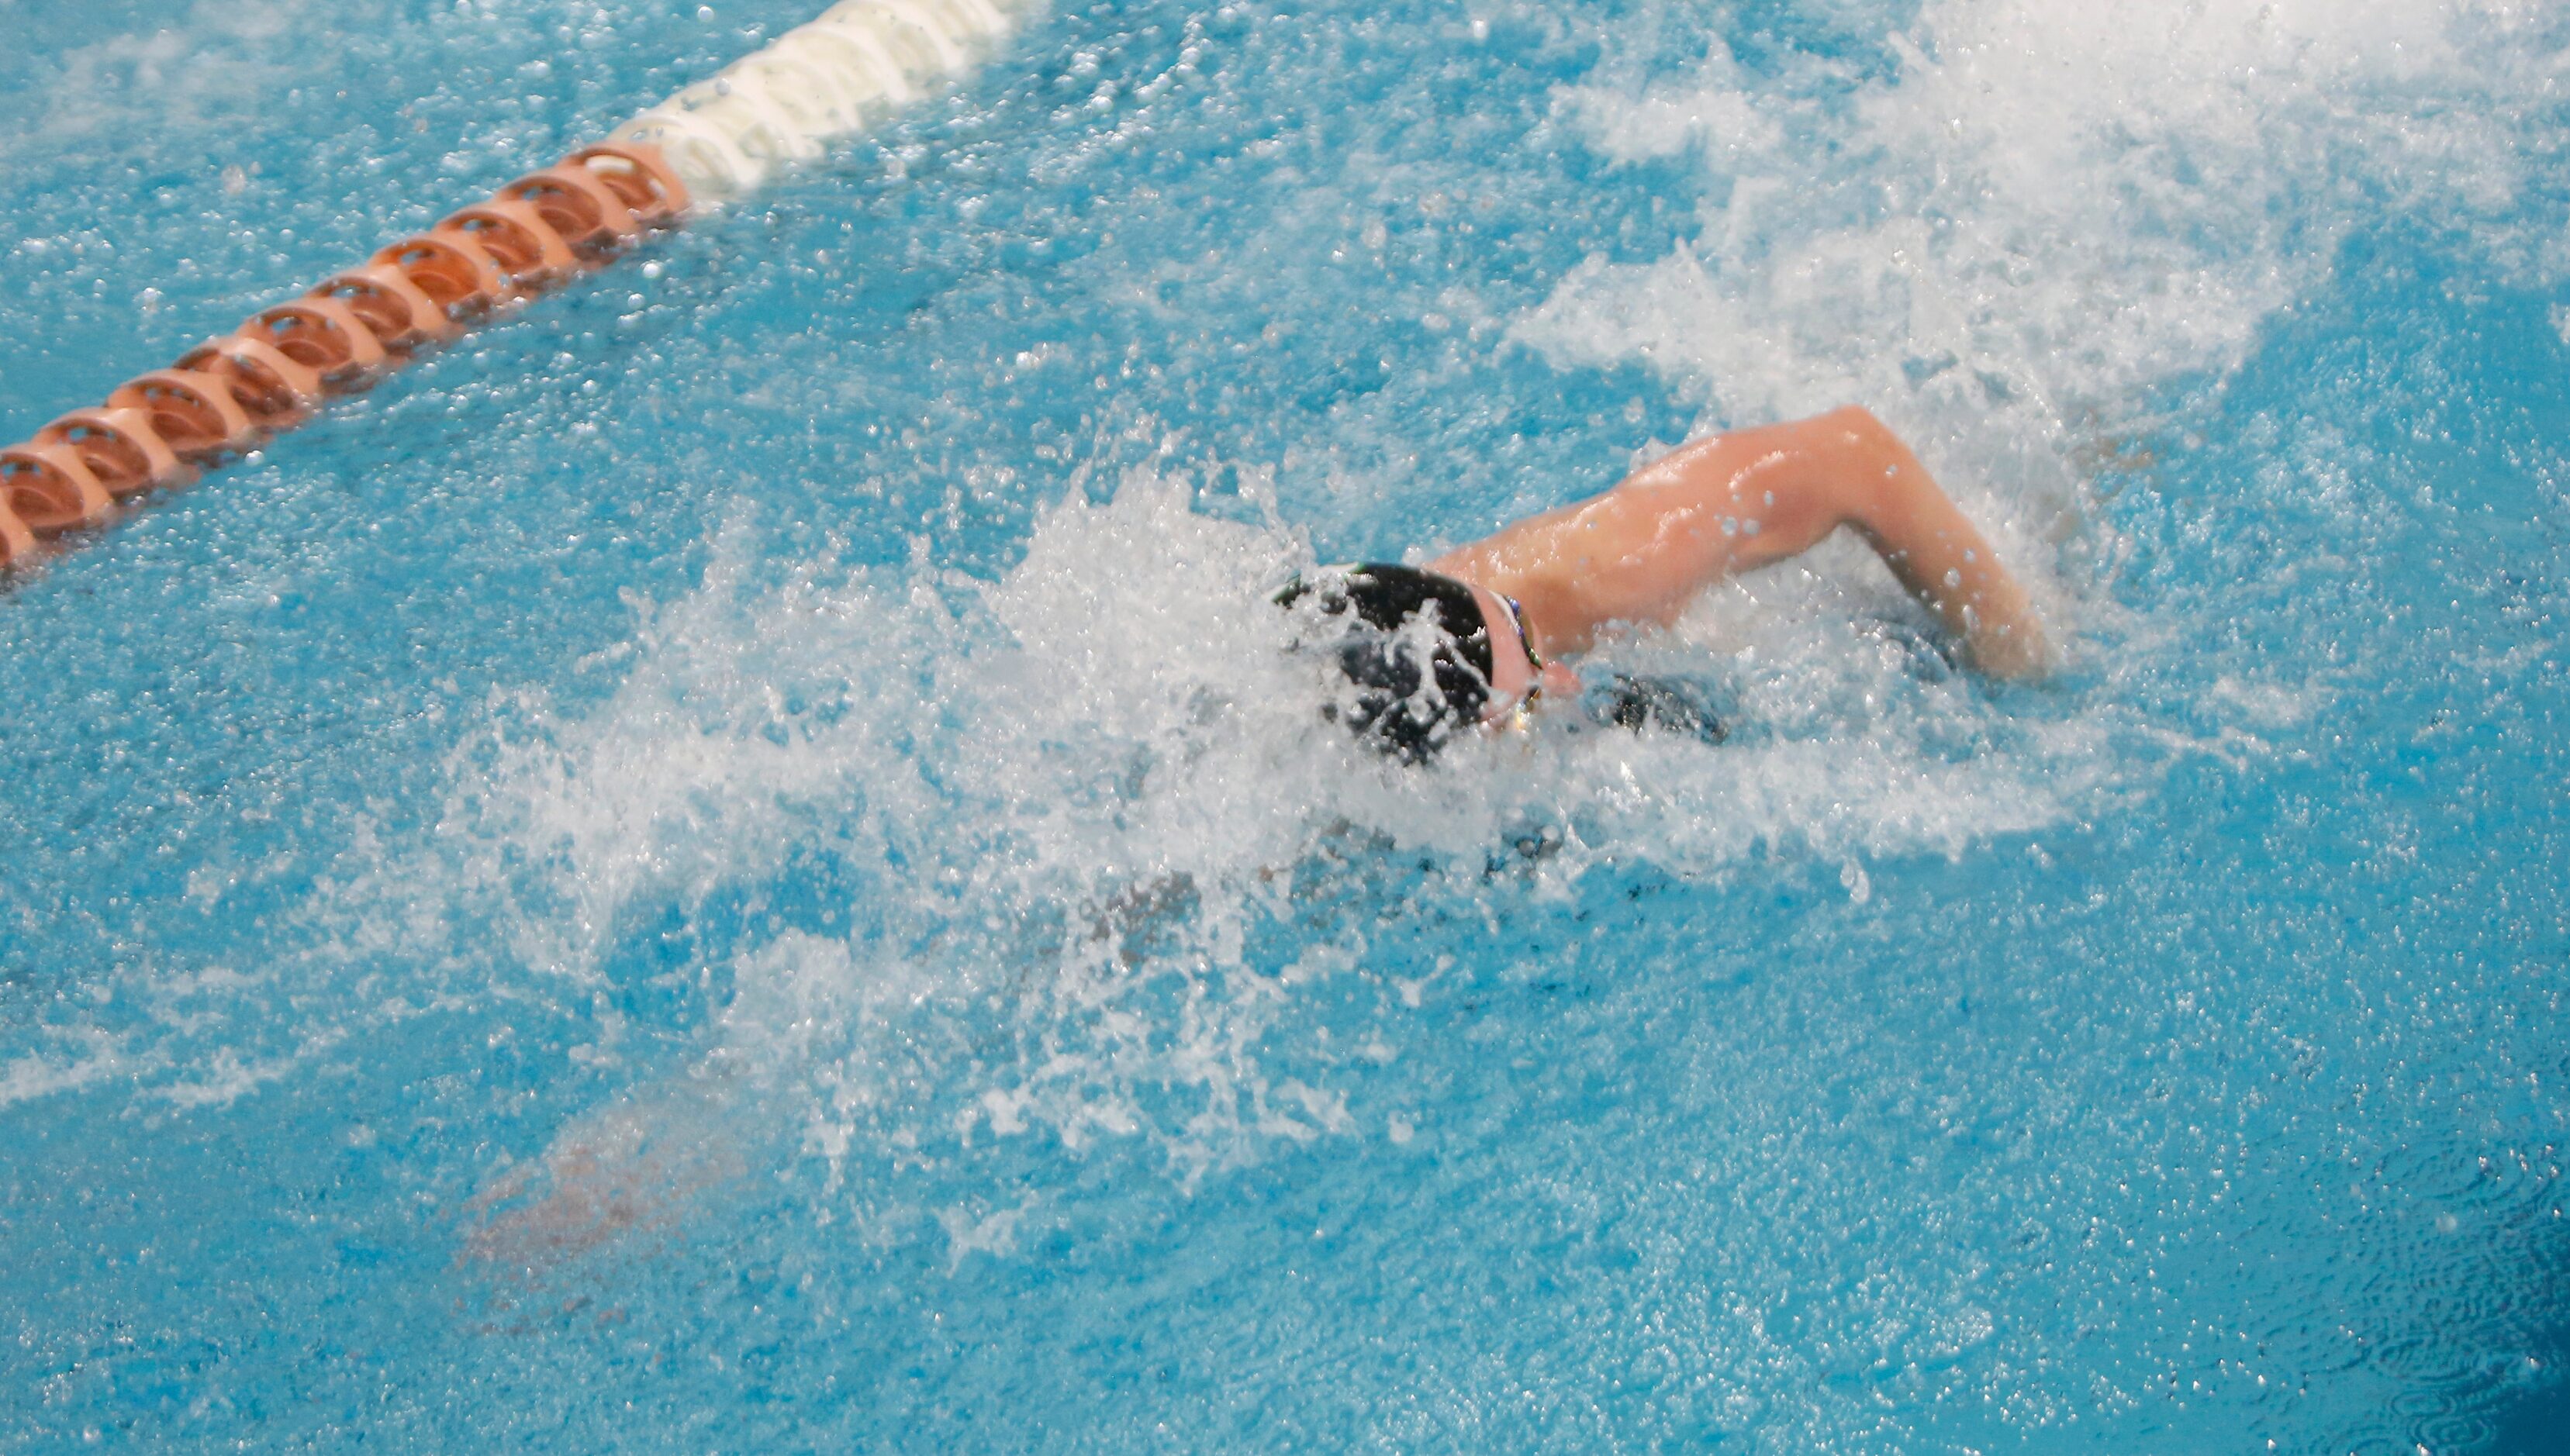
(1415, 646)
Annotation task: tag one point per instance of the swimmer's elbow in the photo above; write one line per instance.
(1860, 425)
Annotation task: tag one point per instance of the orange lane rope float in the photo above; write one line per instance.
(715, 141)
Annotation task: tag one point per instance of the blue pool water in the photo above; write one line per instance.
(722, 867)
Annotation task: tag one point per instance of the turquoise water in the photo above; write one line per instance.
(724, 867)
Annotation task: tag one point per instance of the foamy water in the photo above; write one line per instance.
(2040, 218)
(1096, 797)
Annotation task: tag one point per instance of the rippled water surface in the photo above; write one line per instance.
(730, 865)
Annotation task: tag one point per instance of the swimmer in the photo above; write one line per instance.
(1494, 620)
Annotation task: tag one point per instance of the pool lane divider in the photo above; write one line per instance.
(714, 142)
(233, 394)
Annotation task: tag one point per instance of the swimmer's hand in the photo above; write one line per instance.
(2017, 651)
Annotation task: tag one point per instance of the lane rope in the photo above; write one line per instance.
(714, 142)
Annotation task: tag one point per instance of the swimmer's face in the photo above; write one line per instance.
(1513, 672)
(1516, 681)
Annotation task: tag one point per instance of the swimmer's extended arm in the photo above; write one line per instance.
(1742, 500)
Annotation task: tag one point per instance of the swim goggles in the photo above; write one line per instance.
(1534, 663)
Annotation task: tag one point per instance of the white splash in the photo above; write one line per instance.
(2045, 211)
(1073, 801)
